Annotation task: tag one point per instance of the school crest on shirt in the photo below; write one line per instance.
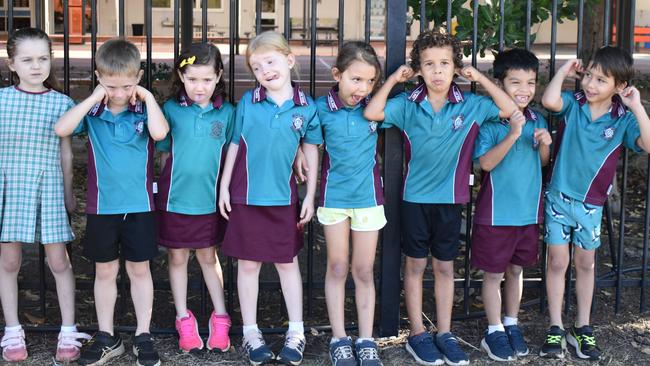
(608, 133)
(216, 129)
(297, 120)
(139, 127)
(457, 122)
(372, 126)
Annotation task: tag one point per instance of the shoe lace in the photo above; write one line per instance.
(71, 339)
(368, 353)
(295, 341)
(589, 340)
(553, 339)
(12, 340)
(253, 341)
(343, 352)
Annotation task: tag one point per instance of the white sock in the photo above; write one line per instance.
(359, 340)
(15, 328)
(495, 328)
(247, 328)
(296, 327)
(68, 328)
(508, 321)
(179, 317)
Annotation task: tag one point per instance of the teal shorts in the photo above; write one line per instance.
(571, 220)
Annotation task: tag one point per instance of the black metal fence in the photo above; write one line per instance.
(389, 289)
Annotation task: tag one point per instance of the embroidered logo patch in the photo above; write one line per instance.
(608, 133)
(216, 130)
(297, 121)
(139, 127)
(372, 126)
(458, 123)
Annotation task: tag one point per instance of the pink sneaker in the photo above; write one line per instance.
(219, 326)
(13, 346)
(188, 333)
(68, 347)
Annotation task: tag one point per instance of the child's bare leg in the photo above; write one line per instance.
(584, 262)
(141, 293)
(558, 261)
(248, 273)
(338, 249)
(59, 263)
(10, 260)
(363, 260)
(443, 272)
(213, 277)
(178, 278)
(413, 272)
(105, 291)
(513, 289)
(291, 283)
(491, 292)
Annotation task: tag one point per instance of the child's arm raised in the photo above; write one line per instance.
(68, 174)
(374, 111)
(67, 123)
(552, 98)
(632, 99)
(493, 157)
(156, 122)
(226, 176)
(506, 105)
(307, 210)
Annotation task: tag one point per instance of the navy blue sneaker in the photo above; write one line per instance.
(497, 346)
(583, 340)
(294, 346)
(424, 350)
(517, 341)
(341, 353)
(555, 343)
(367, 353)
(452, 353)
(256, 350)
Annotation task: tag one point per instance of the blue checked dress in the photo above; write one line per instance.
(32, 206)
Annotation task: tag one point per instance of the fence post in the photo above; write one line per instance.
(187, 23)
(391, 257)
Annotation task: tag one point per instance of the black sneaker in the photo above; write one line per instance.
(555, 343)
(584, 342)
(144, 352)
(101, 348)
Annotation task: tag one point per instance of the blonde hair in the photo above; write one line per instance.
(117, 57)
(269, 41)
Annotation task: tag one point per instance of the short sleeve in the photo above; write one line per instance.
(313, 132)
(164, 145)
(487, 106)
(230, 123)
(632, 133)
(395, 112)
(567, 100)
(485, 141)
(238, 124)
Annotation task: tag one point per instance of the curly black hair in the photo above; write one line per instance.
(434, 38)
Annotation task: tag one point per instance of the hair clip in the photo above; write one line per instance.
(187, 61)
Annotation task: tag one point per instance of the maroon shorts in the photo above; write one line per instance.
(263, 233)
(178, 231)
(494, 247)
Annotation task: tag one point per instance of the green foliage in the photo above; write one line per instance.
(489, 19)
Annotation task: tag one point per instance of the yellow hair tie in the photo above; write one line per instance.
(187, 61)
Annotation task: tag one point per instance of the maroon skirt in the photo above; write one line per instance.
(263, 233)
(178, 231)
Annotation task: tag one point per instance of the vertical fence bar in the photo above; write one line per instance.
(474, 38)
(502, 24)
(606, 22)
(231, 97)
(177, 23)
(41, 249)
(389, 286)
(341, 24)
(287, 19)
(66, 47)
(10, 17)
(529, 11)
(93, 42)
(121, 24)
(449, 16)
(38, 10)
(236, 20)
(423, 15)
(187, 23)
(148, 27)
(84, 4)
(621, 234)
(204, 22)
(646, 225)
(258, 16)
(312, 91)
(367, 22)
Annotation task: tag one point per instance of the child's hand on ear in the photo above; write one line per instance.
(630, 96)
(100, 95)
(403, 74)
(140, 93)
(572, 68)
(471, 74)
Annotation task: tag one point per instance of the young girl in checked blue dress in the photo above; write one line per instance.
(33, 161)
(200, 124)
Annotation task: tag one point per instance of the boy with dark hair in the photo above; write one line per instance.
(509, 205)
(597, 122)
(122, 119)
(439, 123)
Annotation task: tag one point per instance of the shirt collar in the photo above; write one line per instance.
(454, 95)
(185, 101)
(334, 103)
(616, 110)
(98, 109)
(299, 97)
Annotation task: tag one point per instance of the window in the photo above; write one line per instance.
(212, 4)
(161, 3)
